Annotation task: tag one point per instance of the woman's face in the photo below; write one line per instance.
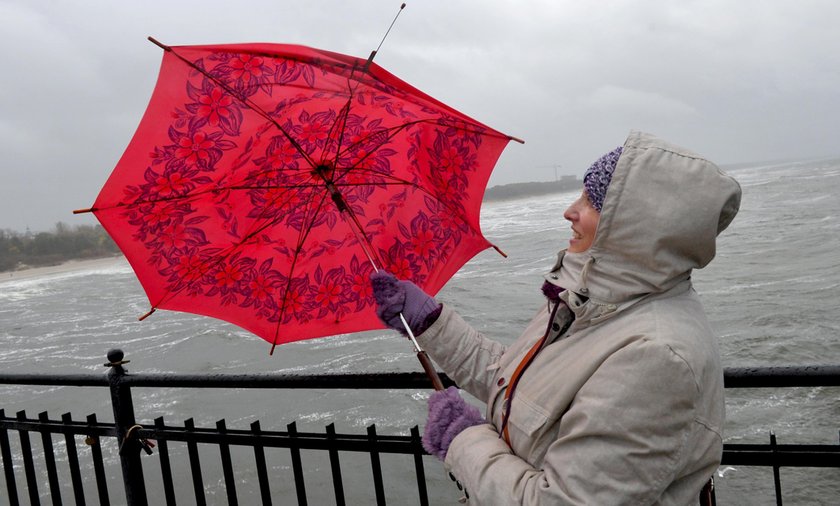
(584, 219)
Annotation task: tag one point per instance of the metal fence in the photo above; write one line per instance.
(134, 440)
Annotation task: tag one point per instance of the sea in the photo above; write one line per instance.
(771, 295)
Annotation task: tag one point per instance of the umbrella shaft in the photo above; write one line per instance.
(417, 347)
(325, 173)
(361, 238)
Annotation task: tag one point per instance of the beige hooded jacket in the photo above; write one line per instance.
(626, 406)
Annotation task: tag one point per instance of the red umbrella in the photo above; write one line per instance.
(266, 181)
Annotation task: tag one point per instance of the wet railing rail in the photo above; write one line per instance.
(134, 440)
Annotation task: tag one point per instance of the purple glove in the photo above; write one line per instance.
(394, 297)
(449, 414)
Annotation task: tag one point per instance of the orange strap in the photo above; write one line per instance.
(523, 364)
(526, 361)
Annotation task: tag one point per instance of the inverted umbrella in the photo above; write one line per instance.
(265, 183)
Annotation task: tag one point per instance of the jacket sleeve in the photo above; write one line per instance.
(464, 353)
(620, 442)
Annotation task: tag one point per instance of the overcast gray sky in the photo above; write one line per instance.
(736, 80)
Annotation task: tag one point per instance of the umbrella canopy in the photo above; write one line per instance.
(265, 182)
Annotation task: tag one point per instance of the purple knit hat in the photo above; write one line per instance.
(597, 178)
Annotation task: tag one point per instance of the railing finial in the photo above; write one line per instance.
(115, 358)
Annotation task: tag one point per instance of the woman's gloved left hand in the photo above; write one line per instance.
(449, 414)
(394, 296)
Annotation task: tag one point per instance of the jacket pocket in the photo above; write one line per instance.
(526, 415)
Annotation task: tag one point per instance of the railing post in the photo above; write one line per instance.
(132, 468)
(777, 481)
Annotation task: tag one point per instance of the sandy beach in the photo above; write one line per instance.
(69, 266)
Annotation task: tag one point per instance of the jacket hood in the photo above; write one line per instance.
(662, 213)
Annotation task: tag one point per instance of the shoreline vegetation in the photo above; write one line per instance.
(67, 248)
(535, 189)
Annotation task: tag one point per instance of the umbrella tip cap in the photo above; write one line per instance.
(159, 44)
(148, 314)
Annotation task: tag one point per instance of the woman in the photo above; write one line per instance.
(614, 392)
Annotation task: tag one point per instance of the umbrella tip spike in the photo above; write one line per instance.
(82, 211)
(499, 250)
(373, 53)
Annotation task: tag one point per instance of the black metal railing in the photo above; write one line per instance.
(772, 454)
(131, 440)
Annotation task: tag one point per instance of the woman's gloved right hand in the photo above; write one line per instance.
(394, 296)
(449, 415)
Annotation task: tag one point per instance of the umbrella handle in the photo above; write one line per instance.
(424, 359)
(430, 370)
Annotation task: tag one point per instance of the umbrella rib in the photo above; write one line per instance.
(304, 233)
(232, 249)
(343, 208)
(339, 173)
(190, 196)
(247, 102)
(186, 198)
(393, 131)
(351, 92)
(341, 118)
(268, 222)
(453, 211)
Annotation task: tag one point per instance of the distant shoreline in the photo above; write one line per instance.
(62, 268)
(533, 189)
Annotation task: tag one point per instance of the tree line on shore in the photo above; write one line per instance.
(534, 189)
(19, 250)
